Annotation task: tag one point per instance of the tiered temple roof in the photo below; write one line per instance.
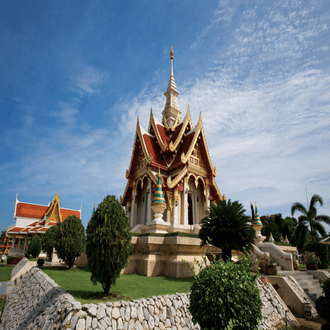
(175, 147)
(41, 217)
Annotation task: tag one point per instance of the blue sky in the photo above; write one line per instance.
(74, 76)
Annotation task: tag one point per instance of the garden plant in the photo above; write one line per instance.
(226, 226)
(71, 240)
(323, 305)
(108, 242)
(224, 295)
(35, 246)
(49, 240)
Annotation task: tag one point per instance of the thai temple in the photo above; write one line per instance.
(176, 153)
(32, 219)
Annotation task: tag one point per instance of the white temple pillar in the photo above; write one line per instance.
(133, 210)
(207, 198)
(176, 207)
(149, 210)
(185, 201)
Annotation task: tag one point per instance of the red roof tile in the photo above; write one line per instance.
(33, 211)
(15, 230)
(184, 147)
(25, 230)
(33, 224)
(65, 213)
(30, 210)
(52, 223)
(43, 229)
(176, 132)
(163, 134)
(34, 229)
(154, 151)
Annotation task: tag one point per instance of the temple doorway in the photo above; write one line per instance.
(190, 210)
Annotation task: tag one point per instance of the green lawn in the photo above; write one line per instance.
(77, 282)
(5, 273)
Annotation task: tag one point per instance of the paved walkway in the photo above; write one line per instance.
(5, 288)
(306, 324)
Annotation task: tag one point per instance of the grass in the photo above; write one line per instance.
(77, 282)
(5, 273)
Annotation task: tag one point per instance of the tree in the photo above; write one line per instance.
(71, 239)
(3, 236)
(49, 240)
(227, 227)
(35, 246)
(108, 242)
(309, 221)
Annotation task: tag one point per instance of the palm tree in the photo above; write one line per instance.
(227, 227)
(309, 221)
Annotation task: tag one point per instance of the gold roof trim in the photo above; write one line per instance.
(173, 127)
(199, 129)
(152, 176)
(51, 212)
(186, 121)
(153, 124)
(138, 134)
(179, 177)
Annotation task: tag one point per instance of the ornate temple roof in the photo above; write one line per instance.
(174, 147)
(42, 217)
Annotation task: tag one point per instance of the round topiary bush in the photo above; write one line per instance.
(224, 295)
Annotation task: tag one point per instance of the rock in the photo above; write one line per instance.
(81, 324)
(115, 313)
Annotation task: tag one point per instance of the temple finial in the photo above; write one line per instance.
(171, 113)
(172, 56)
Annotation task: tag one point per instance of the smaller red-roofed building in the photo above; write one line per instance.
(34, 219)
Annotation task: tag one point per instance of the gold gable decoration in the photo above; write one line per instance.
(54, 211)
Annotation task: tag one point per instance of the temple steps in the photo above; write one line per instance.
(307, 282)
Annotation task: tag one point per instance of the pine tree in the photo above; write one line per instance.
(108, 242)
(49, 239)
(71, 239)
(35, 246)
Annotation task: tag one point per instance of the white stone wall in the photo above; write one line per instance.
(39, 303)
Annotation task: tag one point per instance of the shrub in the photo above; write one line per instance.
(71, 239)
(225, 296)
(322, 303)
(35, 246)
(13, 260)
(108, 242)
(49, 240)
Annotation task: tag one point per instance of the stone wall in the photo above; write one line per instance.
(39, 303)
(18, 267)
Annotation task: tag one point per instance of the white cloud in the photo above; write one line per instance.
(86, 79)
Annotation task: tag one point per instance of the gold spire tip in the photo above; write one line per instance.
(172, 53)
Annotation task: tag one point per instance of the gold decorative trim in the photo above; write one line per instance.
(179, 177)
(141, 179)
(199, 129)
(187, 120)
(197, 170)
(169, 196)
(152, 124)
(51, 212)
(152, 176)
(138, 134)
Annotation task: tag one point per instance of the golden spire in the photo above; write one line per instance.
(171, 113)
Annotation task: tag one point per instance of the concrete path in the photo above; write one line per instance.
(306, 324)
(5, 288)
